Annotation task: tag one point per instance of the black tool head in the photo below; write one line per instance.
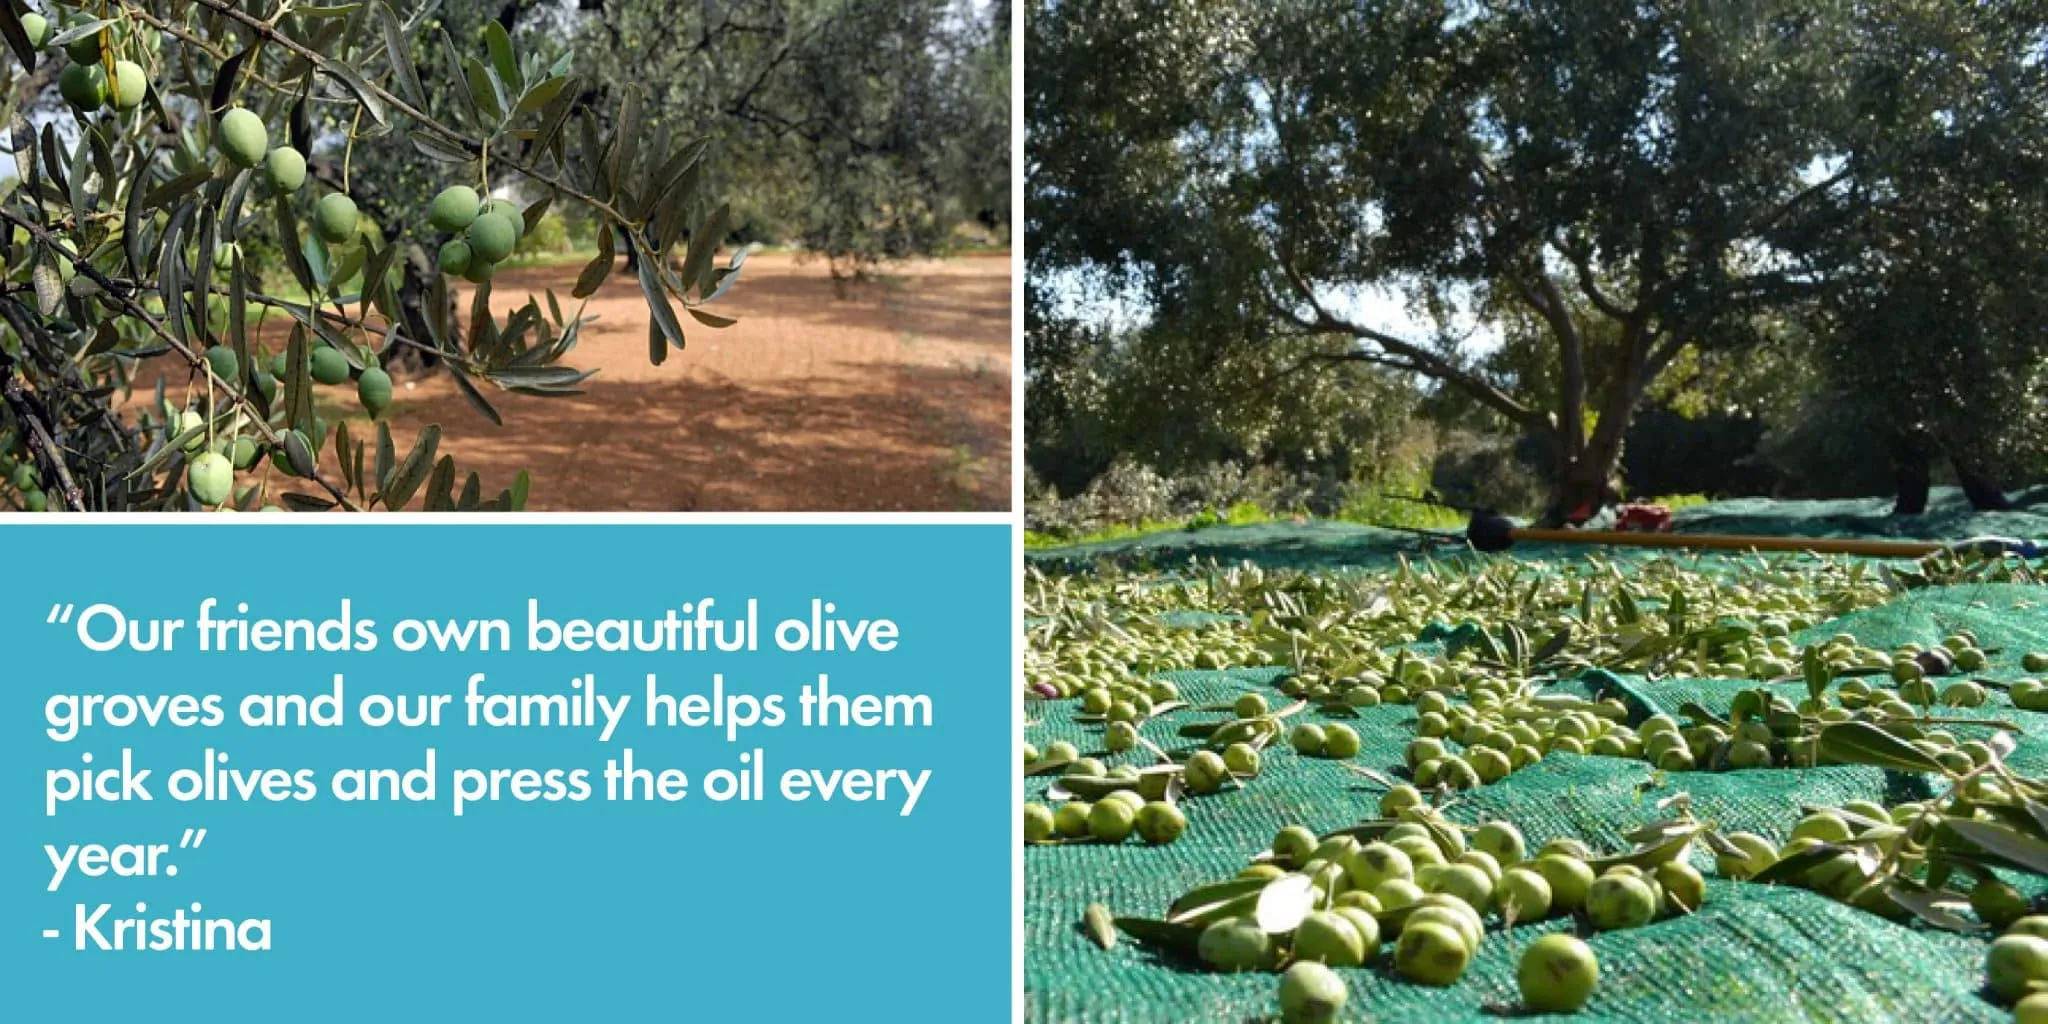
(1490, 531)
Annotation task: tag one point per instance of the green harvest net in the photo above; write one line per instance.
(1314, 545)
(1752, 953)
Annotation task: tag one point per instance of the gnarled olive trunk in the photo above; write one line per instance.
(1984, 493)
(1584, 486)
(1913, 455)
(1584, 481)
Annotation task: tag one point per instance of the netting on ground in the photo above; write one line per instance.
(1335, 545)
(1753, 953)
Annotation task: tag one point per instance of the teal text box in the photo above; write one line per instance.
(540, 910)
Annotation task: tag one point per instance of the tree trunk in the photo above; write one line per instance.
(1585, 476)
(1984, 493)
(1911, 461)
(1585, 481)
(1583, 487)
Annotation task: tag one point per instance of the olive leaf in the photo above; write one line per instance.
(1176, 788)
(1659, 831)
(1204, 914)
(2038, 812)
(306, 502)
(1856, 742)
(1088, 787)
(1702, 716)
(1861, 822)
(1049, 766)
(1359, 769)
(1177, 939)
(1554, 646)
(398, 50)
(17, 37)
(1720, 846)
(1935, 907)
(299, 454)
(1790, 870)
(2008, 845)
(1284, 903)
(1816, 673)
(1672, 847)
(1211, 894)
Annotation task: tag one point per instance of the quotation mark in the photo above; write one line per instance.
(191, 839)
(60, 613)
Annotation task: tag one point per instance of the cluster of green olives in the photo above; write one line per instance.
(92, 82)
(1420, 892)
(1113, 819)
(486, 231)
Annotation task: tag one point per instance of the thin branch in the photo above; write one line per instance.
(1799, 198)
(353, 323)
(32, 420)
(218, 55)
(319, 61)
(1582, 265)
(1353, 356)
(333, 316)
(1664, 352)
(1426, 362)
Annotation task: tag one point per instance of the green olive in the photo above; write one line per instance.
(1557, 974)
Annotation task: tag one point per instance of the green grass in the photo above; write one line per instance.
(1367, 506)
(1674, 502)
(1121, 531)
(1374, 506)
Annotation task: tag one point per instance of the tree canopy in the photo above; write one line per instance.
(1565, 197)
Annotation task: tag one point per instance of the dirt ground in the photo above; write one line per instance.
(895, 398)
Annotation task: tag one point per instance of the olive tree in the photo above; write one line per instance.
(865, 130)
(185, 128)
(1627, 185)
(1935, 322)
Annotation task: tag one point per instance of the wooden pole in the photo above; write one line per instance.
(1730, 542)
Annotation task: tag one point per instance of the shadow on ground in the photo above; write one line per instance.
(693, 444)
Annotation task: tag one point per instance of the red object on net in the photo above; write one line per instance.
(1643, 518)
(1637, 518)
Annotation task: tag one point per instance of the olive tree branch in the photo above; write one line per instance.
(128, 305)
(320, 62)
(32, 418)
(335, 316)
